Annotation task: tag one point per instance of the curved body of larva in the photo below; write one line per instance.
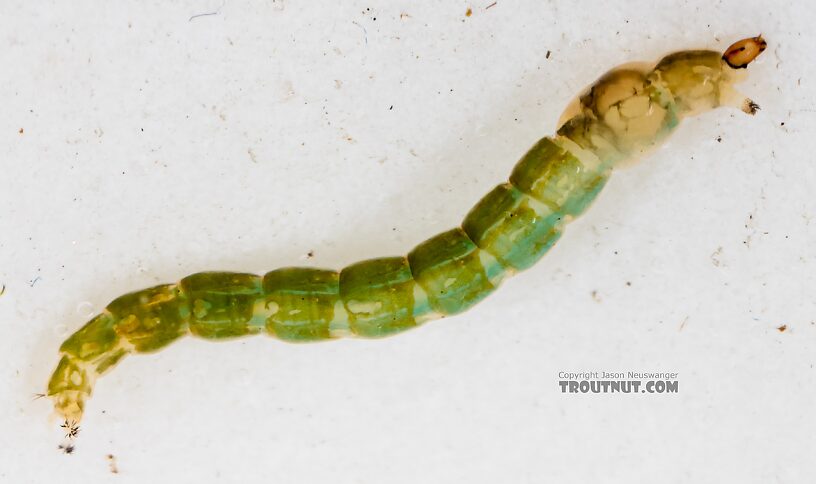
(621, 116)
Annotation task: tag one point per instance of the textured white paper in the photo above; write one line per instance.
(140, 144)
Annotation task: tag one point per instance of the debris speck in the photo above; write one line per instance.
(468, 12)
(252, 155)
(719, 139)
(365, 32)
(2, 290)
(34, 281)
(683, 324)
(310, 254)
(595, 296)
(66, 448)
(22, 130)
(628, 283)
(491, 5)
(404, 16)
(548, 55)
(112, 463)
(782, 328)
(750, 225)
(715, 257)
(208, 13)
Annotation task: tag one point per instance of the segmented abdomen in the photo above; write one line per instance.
(506, 231)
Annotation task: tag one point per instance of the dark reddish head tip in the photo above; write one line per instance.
(742, 52)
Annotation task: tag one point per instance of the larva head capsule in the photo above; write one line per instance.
(742, 52)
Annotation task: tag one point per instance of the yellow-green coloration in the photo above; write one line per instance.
(623, 115)
(222, 304)
(96, 338)
(151, 318)
(557, 178)
(378, 295)
(450, 271)
(512, 227)
(301, 302)
(693, 78)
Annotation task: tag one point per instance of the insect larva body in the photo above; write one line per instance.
(626, 113)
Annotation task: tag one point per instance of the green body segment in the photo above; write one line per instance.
(512, 227)
(559, 179)
(301, 303)
(93, 340)
(70, 376)
(151, 318)
(379, 296)
(593, 136)
(222, 304)
(449, 268)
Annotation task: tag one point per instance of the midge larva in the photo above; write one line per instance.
(627, 112)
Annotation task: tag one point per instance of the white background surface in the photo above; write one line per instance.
(139, 146)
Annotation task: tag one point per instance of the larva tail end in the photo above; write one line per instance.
(742, 52)
(69, 405)
(69, 387)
